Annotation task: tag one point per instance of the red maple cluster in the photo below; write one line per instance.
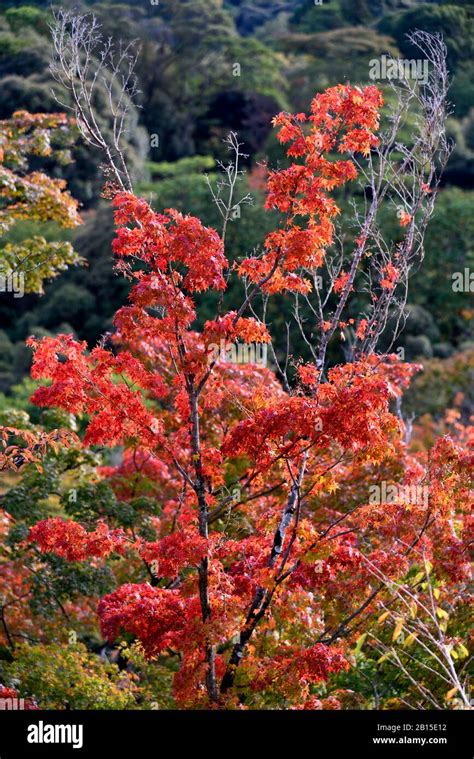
(266, 540)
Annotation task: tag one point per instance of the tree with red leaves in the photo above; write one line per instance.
(265, 553)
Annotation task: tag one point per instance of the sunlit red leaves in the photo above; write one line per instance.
(165, 240)
(299, 247)
(451, 469)
(271, 277)
(390, 277)
(291, 672)
(246, 562)
(405, 218)
(290, 130)
(174, 552)
(362, 329)
(323, 564)
(230, 327)
(153, 615)
(318, 662)
(340, 282)
(309, 374)
(351, 410)
(159, 291)
(90, 384)
(342, 119)
(70, 540)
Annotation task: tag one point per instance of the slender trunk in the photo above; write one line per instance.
(262, 597)
(203, 571)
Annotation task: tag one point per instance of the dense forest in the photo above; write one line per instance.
(211, 75)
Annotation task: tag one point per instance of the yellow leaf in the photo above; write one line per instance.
(383, 617)
(451, 693)
(359, 643)
(417, 578)
(462, 651)
(436, 593)
(398, 628)
(442, 614)
(410, 639)
(413, 609)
